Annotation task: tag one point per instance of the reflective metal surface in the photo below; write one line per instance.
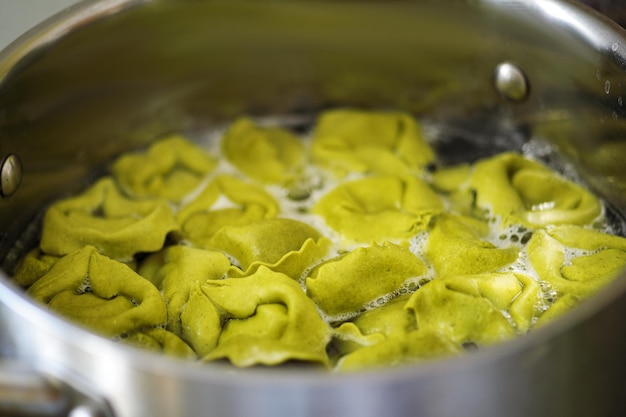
(114, 74)
(10, 175)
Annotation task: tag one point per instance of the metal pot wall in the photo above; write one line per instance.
(109, 76)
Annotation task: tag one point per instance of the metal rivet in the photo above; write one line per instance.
(85, 411)
(511, 82)
(10, 175)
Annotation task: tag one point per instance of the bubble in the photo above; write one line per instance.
(84, 287)
(526, 237)
(298, 193)
(615, 46)
(469, 346)
(607, 86)
(423, 282)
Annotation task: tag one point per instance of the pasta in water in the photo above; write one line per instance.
(344, 250)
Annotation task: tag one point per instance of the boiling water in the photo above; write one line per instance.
(452, 146)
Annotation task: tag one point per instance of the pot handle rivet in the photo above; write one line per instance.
(84, 411)
(511, 82)
(10, 175)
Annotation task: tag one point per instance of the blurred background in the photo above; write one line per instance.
(17, 16)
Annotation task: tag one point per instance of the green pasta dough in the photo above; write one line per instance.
(451, 236)
(32, 267)
(378, 209)
(266, 154)
(347, 249)
(414, 347)
(183, 269)
(467, 308)
(576, 262)
(366, 274)
(161, 341)
(102, 217)
(524, 191)
(389, 336)
(271, 242)
(347, 141)
(269, 321)
(246, 203)
(100, 293)
(171, 168)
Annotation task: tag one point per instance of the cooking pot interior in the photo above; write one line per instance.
(112, 76)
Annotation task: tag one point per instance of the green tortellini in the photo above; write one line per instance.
(366, 274)
(161, 341)
(225, 201)
(467, 308)
(414, 347)
(459, 245)
(523, 191)
(575, 262)
(388, 336)
(100, 293)
(349, 249)
(183, 269)
(102, 217)
(286, 245)
(267, 319)
(266, 154)
(378, 209)
(171, 168)
(347, 141)
(33, 266)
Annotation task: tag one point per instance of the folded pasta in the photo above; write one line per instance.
(171, 168)
(347, 247)
(285, 245)
(366, 274)
(575, 262)
(267, 319)
(460, 245)
(347, 141)
(467, 309)
(522, 191)
(380, 208)
(225, 201)
(266, 154)
(102, 217)
(100, 293)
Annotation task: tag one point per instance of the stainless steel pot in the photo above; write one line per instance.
(110, 75)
